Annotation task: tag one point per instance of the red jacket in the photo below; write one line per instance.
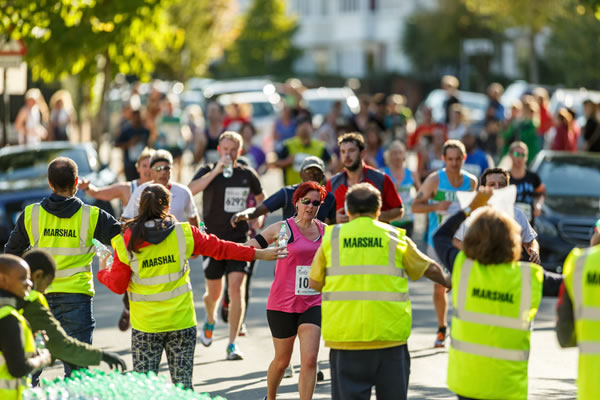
(117, 277)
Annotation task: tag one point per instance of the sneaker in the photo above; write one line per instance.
(123, 323)
(224, 310)
(440, 339)
(243, 330)
(234, 353)
(289, 372)
(206, 334)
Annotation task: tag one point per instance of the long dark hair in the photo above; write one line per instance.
(154, 204)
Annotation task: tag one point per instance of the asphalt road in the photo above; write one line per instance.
(552, 371)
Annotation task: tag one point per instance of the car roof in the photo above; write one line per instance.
(44, 146)
(244, 97)
(327, 93)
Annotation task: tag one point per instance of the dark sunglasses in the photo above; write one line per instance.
(519, 155)
(306, 201)
(162, 168)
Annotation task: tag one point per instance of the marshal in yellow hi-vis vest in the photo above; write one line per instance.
(34, 296)
(160, 291)
(12, 388)
(299, 152)
(365, 296)
(69, 241)
(582, 281)
(494, 306)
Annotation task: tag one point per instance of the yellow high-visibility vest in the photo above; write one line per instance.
(12, 388)
(582, 281)
(69, 241)
(365, 295)
(494, 306)
(160, 291)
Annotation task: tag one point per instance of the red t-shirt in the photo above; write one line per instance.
(117, 277)
(338, 185)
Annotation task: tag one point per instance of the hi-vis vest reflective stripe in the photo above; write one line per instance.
(159, 288)
(69, 241)
(34, 295)
(494, 308)
(364, 277)
(11, 387)
(582, 280)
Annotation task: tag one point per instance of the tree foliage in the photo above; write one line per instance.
(207, 26)
(265, 42)
(573, 50)
(67, 37)
(433, 37)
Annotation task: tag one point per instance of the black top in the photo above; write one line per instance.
(62, 207)
(223, 197)
(442, 241)
(591, 128)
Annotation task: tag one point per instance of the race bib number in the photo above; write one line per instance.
(526, 208)
(302, 288)
(235, 199)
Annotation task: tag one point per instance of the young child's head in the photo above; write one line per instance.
(14, 275)
(43, 268)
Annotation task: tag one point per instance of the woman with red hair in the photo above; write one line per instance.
(293, 309)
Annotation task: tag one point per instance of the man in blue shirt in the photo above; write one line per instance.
(312, 169)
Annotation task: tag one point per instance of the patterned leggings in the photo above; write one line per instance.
(147, 349)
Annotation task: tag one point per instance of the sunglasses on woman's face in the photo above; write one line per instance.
(162, 168)
(519, 154)
(306, 201)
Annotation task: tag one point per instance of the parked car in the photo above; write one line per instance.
(264, 109)
(320, 100)
(216, 88)
(572, 203)
(24, 177)
(475, 104)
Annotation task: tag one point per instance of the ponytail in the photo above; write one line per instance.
(154, 204)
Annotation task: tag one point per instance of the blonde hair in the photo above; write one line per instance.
(450, 81)
(146, 153)
(454, 144)
(396, 144)
(502, 235)
(233, 136)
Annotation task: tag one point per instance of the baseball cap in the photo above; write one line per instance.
(312, 161)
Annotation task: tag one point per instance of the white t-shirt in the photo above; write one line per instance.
(527, 232)
(182, 202)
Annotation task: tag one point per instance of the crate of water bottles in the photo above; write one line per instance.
(99, 385)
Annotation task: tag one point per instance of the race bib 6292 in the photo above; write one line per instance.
(235, 199)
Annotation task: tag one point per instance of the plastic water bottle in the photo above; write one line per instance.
(228, 170)
(103, 251)
(282, 238)
(202, 226)
(40, 342)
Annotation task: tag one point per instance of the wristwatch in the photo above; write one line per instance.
(467, 211)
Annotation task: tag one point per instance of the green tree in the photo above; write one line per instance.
(573, 50)
(432, 39)
(264, 44)
(207, 27)
(92, 40)
(530, 15)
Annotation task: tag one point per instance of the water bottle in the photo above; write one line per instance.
(228, 170)
(202, 227)
(40, 342)
(282, 238)
(103, 251)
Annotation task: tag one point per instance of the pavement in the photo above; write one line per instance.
(552, 370)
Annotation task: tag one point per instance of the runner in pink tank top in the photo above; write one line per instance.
(289, 279)
(293, 308)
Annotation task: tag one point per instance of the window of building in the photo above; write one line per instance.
(349, 5)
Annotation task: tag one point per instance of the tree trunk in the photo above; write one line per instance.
(98, 126)
(534, 75)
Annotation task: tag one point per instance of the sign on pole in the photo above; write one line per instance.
(11, 53)
(16, 80)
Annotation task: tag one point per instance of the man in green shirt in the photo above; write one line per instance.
(39, 316)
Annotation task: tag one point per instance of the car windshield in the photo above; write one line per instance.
(34, 163)
(571, 176)
(261, 110)
(323, 106)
